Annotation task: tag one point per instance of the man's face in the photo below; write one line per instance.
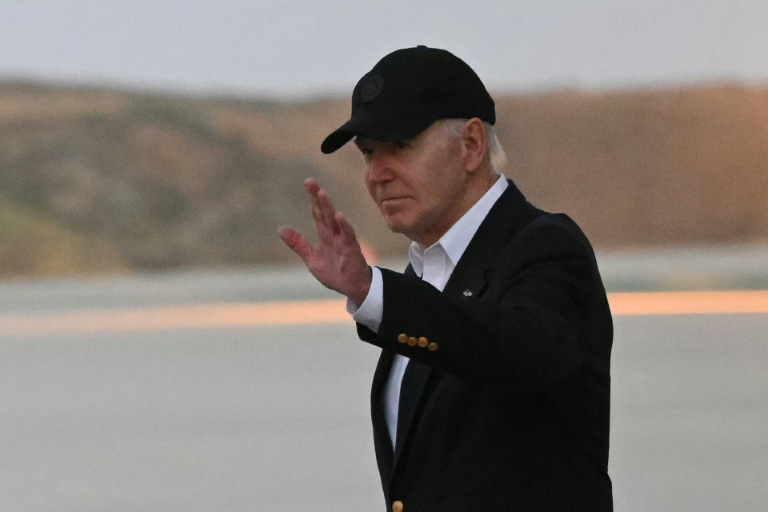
(418, 184)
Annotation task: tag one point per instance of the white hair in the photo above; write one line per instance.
(496, 155)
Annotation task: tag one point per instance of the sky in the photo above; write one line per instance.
(304, 48)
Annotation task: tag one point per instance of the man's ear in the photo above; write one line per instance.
(474, 145)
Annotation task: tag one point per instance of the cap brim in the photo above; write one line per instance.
(337, 139)
(355, 126)
(378, 129)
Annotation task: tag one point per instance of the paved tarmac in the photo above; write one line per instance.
(276, 418)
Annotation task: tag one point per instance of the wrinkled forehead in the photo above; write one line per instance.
(360, 140)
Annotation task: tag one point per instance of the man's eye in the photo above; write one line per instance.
(400, 144)
(366, 151)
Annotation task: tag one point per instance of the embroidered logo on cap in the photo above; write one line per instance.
(371, 88)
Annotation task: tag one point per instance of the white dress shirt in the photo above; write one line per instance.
(434, 264)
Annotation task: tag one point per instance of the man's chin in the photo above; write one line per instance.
(395, 227)
(403, 229)
(396, 224)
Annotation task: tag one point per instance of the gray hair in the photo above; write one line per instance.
(496, 155)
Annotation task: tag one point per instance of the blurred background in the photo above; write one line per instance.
(150, 150)
(159, 135)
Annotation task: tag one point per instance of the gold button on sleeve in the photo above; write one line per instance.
(402, 338)
(432, 346)
(397, 506)
(423, 342)
(412, 341)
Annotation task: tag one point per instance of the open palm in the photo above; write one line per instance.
(336, 260)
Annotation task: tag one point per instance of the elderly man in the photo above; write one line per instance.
(493, 387)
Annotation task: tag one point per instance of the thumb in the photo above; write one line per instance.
(295, 241)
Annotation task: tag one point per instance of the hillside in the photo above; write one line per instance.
(98, 180)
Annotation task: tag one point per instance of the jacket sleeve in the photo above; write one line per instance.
(543, 312)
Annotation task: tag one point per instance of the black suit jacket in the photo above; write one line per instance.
(511, 409)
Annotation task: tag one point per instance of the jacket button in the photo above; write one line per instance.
(423, 342)
(397, 506)
(402, 338)
(432, 346)
(412, 341)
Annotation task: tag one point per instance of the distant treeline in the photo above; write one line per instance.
(98, 180)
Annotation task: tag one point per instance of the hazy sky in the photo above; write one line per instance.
(299, 47)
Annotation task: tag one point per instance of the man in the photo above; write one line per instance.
(492, 389)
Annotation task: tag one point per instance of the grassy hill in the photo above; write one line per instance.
(96, 180)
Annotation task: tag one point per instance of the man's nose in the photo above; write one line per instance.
(379, 169)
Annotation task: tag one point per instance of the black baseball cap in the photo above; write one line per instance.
(407, 91)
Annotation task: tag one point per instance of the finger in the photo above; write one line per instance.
(313, 189)
(329, 212)
(346, 229)
(295, 241)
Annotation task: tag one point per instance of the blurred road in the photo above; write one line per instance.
(201, 415)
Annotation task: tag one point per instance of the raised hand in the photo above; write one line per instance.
(335, 260)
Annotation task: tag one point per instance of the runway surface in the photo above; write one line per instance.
(192, 414)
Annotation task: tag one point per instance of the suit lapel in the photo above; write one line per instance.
(507, 216)
(381, 441)
(411, 389)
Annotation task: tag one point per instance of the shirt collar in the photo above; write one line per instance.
(455, 241)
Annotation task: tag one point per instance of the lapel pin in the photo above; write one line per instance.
(467, 293)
